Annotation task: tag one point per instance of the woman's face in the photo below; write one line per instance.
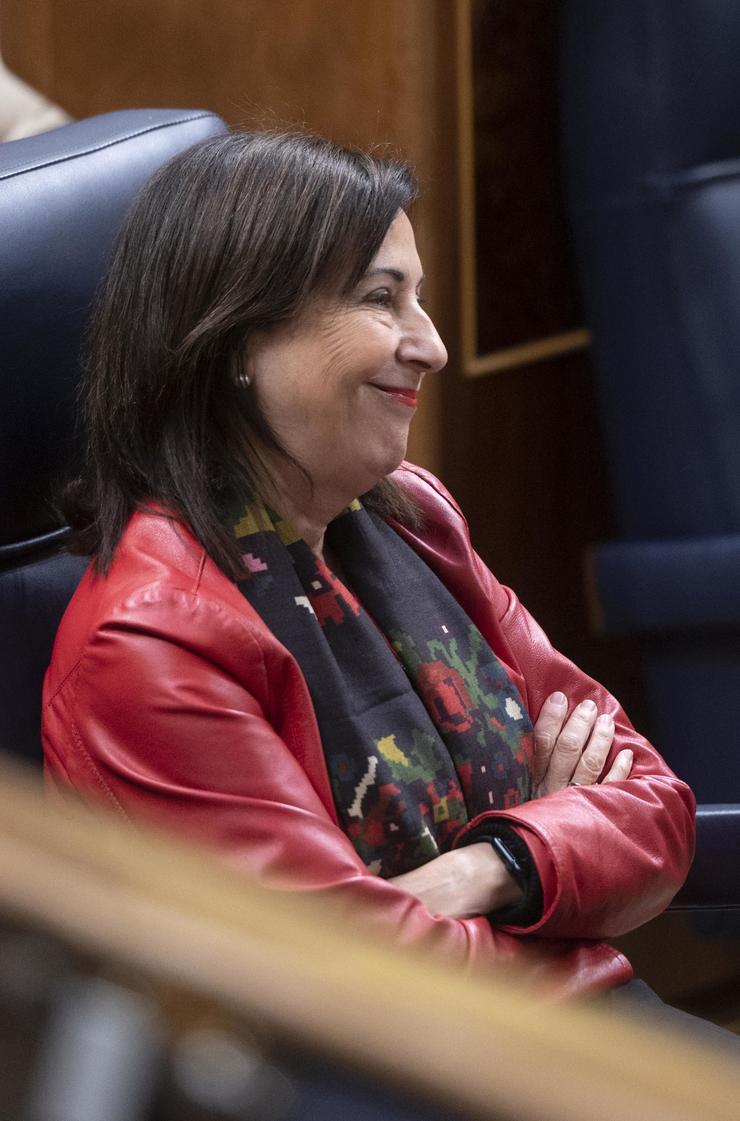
(339, 384)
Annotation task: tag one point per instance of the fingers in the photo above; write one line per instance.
(568, 748)
(546, 731)
(620, 768)
(573, 749)
(591, 763)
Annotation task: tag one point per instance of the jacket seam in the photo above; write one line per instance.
(199, 573)
(89, 762)
(65, 679)
(429, 480)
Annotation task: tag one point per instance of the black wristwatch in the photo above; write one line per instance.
(510, 862)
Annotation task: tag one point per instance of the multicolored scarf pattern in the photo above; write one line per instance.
(421, 725)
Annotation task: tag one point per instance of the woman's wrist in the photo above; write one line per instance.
(466, 883)
(497, 886)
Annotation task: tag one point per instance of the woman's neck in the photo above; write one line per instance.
(308, 509)
(311, 529)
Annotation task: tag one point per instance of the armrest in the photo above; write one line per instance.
(652, 586)
(714, 880)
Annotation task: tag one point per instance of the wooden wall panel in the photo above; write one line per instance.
(516, 143)
(291, 60)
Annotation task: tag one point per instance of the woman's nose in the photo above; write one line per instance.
(421, 345)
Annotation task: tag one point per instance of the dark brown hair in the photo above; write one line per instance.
(233, 236)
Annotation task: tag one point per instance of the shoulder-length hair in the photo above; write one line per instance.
(233, 236)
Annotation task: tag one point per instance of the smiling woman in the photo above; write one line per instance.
(345, 376)
(255, 245)
(285, 644)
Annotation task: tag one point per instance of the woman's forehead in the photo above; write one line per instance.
(397, 253)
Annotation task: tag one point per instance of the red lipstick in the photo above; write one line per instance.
(408, 397)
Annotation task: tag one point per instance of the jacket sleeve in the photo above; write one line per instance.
(166, 718)
(611, 856)
(618, 852)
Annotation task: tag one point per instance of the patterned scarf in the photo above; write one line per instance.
(422, 727)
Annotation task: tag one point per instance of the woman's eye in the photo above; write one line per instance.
(381, 297)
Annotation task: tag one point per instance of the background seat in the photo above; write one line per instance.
(651, 149)
(63, 195)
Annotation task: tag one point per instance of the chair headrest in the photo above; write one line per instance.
(649, 92)
(63, 195)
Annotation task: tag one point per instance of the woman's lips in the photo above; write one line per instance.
(408, 397)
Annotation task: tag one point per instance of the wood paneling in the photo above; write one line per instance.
(518, 303)
(524, 284)
(346, 68)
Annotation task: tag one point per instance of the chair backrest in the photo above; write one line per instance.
(63, 195)
(651, 129)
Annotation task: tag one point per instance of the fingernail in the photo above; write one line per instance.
(587, 706)
(605, 721)
(557, 698)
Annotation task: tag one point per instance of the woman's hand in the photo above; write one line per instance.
(571, 750)
(462, 884)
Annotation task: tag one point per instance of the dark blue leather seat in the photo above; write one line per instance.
(651, 141)
(62, 197)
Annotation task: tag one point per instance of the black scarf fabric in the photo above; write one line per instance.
(421, 725)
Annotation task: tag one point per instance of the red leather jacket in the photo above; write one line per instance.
(169, 697)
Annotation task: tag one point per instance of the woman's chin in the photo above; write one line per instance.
(361, 482)
(388, 462)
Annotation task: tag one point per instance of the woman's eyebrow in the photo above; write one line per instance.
(397, 274)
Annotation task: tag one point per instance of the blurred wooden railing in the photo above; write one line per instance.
(483, 1046)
